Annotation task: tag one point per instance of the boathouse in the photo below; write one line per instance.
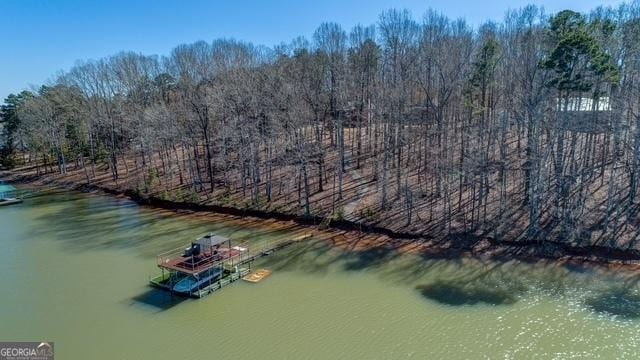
(206, 265)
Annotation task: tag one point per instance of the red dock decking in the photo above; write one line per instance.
(196, 264)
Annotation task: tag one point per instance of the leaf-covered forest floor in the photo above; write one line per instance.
(358, 222)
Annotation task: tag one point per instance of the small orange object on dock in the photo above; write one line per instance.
(257, 276)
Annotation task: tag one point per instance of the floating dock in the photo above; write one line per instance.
(257, 276)
(9, 201)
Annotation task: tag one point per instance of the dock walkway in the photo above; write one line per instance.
(271, 250)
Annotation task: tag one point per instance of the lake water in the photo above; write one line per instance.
(74, 270)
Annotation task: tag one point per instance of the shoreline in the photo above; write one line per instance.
(354, 236)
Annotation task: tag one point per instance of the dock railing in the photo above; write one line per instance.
(233, 255)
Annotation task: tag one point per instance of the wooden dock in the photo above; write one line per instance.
(257, 276)
(241, 272)
(206, 261)
(276, 247)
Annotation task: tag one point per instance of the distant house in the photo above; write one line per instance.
(583, 104)
(581, 114)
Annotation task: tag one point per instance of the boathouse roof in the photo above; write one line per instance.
(211, 240)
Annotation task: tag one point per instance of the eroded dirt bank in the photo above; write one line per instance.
(357, 237)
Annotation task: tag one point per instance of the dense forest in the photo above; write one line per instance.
(527, 129)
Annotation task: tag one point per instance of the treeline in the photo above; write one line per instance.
(528, 128)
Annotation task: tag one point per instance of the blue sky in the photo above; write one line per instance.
(41, 37)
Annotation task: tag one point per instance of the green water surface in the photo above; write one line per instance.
(74, 270)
